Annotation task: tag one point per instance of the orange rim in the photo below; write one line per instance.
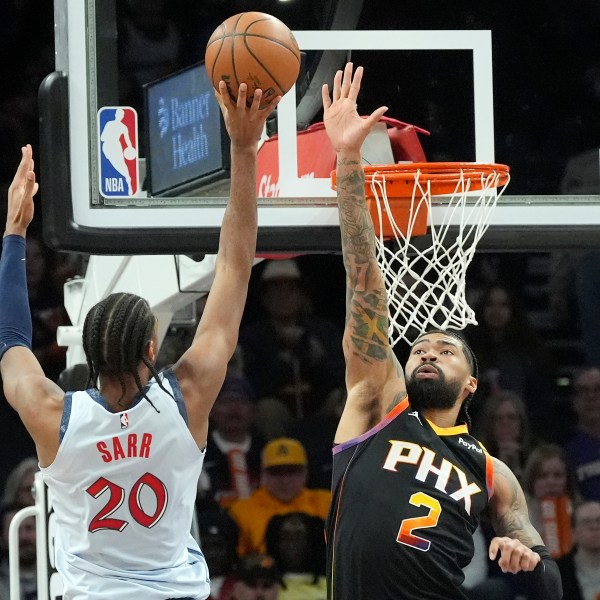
(442, 178)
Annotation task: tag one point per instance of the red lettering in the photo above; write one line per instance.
(103, 449)
(132, 445)
(117, 449)
(145, 447)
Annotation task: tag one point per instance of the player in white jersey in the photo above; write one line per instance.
(122, 459)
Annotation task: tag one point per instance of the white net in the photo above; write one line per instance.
(425, 277)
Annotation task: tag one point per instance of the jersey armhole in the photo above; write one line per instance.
(170, 376)
(66, 416)
(489, 474)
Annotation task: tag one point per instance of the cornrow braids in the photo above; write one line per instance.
(115, 334)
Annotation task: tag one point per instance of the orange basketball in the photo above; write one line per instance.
(253, 48)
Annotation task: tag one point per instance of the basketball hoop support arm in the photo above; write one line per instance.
(167, 282)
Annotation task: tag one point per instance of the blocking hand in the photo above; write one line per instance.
(346, 129)
(20, 195)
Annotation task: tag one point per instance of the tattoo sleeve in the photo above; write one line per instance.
(367, 317)
(509, 513)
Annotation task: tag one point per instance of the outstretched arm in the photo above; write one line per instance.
(520, 546)
(373, 378)
(37, 400)
(201, 370)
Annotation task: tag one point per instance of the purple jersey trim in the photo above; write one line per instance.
(389, 417)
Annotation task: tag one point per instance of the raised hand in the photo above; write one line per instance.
(20, 195)
(244, 124)
(346, 129)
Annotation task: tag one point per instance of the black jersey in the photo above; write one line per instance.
(407, 496)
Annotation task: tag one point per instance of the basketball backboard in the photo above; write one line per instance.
(450, 80)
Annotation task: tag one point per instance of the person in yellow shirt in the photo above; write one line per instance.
(284, 473)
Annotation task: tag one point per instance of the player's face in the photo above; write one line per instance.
(438, 372)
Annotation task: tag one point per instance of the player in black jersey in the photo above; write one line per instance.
(409, 482)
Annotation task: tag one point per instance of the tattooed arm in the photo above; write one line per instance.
(510, 519)
(374, 379)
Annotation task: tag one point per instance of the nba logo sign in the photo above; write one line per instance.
(124, 421)
(118, 151)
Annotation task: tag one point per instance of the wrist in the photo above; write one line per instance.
(14, 230)
(244, 149)
(347, 155)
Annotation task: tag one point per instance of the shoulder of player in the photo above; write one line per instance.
(506, 487)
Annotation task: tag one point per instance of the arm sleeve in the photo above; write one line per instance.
(544, 582)
(15, 316)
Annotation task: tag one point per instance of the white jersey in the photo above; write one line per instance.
(123, 486)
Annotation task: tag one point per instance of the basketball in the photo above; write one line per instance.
(253, 48)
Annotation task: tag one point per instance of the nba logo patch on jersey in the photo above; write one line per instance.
(118, 151)
(124, 421)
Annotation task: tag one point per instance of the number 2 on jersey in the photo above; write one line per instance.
(103, 519)
(405, 535)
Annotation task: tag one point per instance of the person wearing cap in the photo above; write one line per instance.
(283, 490)
(291, 356)
(233, 451)
(257, 578)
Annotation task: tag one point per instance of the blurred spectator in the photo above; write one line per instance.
(27, 554)
(292, 358)
(580, 569)
(502, 427)
(47, 309)
(297, 543)
(232, 461)
(218, 541)
(283, 490)
(18, 488)
(74, 378)
(550, 491)
(583, 447)
(512, 356)
(257, 578)
(317, 433)
(478, 583)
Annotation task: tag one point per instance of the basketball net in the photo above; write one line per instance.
(426, 282)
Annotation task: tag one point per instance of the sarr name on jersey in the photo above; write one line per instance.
(126, 447)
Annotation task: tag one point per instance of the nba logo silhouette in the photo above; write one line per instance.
(118, 151)
(124, 421)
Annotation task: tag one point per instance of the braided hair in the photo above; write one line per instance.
(463, 414)
(116, 332)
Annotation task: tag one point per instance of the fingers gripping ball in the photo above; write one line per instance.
(253, 48)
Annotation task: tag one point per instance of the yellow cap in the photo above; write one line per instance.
(283, 451)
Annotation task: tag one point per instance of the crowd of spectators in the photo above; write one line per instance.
(268, 463)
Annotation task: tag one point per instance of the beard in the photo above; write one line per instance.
(432, 393)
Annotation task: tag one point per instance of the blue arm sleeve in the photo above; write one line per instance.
(15, 316)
